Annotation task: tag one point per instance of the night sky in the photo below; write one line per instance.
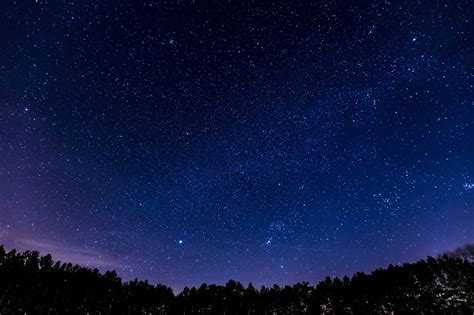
(197, 141)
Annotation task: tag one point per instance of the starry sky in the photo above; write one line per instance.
(198, 141)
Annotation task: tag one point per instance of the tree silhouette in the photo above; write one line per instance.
(34, 284)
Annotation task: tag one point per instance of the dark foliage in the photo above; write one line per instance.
(34, 284)
(465, 252)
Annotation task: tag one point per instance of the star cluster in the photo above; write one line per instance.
(197, 141)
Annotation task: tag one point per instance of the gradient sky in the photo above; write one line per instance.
(198, 141)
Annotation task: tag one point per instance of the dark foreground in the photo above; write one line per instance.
(34, 284)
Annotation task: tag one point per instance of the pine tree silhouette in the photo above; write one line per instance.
(34, 284)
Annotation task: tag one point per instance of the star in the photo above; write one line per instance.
(269, 241)
(469, 186)
(236, 139)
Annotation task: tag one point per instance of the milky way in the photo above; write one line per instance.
(198, 141)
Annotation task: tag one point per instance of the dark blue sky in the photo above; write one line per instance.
(197, 141)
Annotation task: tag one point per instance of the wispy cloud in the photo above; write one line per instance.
(65, 253)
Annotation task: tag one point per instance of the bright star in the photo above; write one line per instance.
(469, 186)
(269, 241)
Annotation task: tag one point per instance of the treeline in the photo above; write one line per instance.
(34, 284)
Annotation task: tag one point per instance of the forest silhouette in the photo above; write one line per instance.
(35, 284)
